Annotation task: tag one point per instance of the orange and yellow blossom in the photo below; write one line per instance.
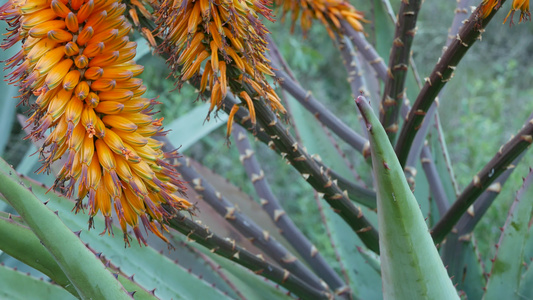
(77, 59)
(487, 6)
(329, 12)
(227, 38)
(523, 6)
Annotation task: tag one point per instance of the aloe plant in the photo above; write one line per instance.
(380, 213)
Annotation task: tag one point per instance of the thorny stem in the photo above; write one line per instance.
(501, 162)
(215, 267)
(418, 142)
(453, 252)
(357, 85)
(322, 114)
(288, 229)
(228, 249)
(316, 176)
(330, 237)
(337, 147)
(349, 59)
(241, 222)
(284, 144)
(442, 73)
(355, 78)
(446, 156)
(468, 221)
(308, 168)
(356, 192)
(367, 51)
(388, 8)
(461, 14)
(435, 184)
(394, 92)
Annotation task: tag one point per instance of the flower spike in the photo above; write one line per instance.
(488, 6)
(329, 12)
(225, 36)
(76, 58)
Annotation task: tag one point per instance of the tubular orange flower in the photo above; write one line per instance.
(77, 58)
(523, 6)
(487, 6)
(228, 38)
(329, 12)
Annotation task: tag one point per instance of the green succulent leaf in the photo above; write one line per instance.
(410, 264)
(507, 265)
(15, 285)
(84, 270)
(190, 128)
(153, 271)
(525, 291)
(464, 265)
(20, 242)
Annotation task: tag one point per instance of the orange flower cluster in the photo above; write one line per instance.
(487, 6)
(77, 59)
(228, 39)
(329, 12)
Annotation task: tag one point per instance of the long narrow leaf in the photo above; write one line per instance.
(152, 269)
(19, 242)
(410, 264)
(190, 128)
(88, 275)
(16, 285)
(506, 271)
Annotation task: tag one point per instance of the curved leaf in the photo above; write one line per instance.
(83, 268)
(19, 242)
(152, 269)
(15, 285)
(410, 264)
(190, 128)
(507, 265)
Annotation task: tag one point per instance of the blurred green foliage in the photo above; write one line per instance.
(486, 102)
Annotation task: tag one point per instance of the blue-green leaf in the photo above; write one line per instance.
(18, 286)
(411, 267)
(152, 269)
(192, 127)
(83, 269)
(507, 265)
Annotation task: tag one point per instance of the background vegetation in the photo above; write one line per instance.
(475, 116)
